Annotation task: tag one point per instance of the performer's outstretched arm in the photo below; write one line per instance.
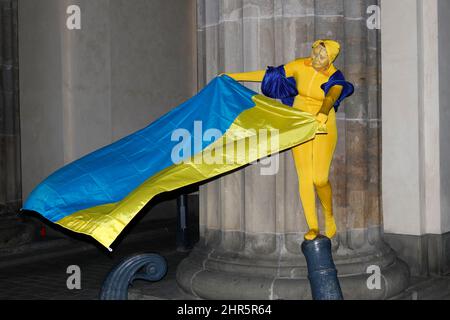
(290, 67)
(258, 76)
(252, 76)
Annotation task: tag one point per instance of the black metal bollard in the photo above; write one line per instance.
(322, 273)
(182, 241)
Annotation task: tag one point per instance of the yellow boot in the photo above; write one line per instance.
(311, 234)
(330, 225)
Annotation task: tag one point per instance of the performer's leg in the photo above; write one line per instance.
(303, 163)
(323, 150)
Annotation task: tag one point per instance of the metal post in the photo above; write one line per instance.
(183, 241)
(322, 273)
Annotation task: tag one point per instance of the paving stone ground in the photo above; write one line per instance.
(46, 279)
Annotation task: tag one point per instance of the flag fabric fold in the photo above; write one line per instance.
(222, 128)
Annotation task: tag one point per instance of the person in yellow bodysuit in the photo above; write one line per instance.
(320, 89)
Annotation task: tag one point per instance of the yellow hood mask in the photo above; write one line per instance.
(333, 48)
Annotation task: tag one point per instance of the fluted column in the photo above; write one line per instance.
(252, 224)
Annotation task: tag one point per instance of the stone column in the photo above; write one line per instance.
(252, 225)
(13, 231)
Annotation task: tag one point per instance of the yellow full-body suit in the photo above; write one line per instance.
(313, 158)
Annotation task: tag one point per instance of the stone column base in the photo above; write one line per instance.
(213, 273)
(426, 255)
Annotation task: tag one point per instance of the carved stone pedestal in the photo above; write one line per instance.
(269, 266)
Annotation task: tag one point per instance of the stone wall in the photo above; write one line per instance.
(10, 186)
(416, 144)
(81, 89)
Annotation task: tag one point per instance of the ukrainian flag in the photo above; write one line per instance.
(214, 132)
